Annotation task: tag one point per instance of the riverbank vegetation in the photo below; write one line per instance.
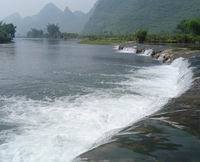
(52, 32)
(187, 31)
(35, 33)
(7, 32)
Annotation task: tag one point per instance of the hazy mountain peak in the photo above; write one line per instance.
(67, 9)
(50, 13)
(50, 7)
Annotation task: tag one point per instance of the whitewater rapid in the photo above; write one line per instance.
(59, 130)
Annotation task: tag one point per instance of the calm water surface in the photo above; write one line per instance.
(51, 68)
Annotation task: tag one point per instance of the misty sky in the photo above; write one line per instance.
(31, 7)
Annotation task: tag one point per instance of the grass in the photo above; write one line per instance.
(102, 41)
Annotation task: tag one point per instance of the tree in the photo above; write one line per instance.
(69, 35)
(141, 35)
(194, 26)
(182, 27)
(53, 31)
(191, 26)
(7, 32)
(10, 29)
(35, 33)
(3, 36)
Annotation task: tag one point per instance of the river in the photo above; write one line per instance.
(58, 99)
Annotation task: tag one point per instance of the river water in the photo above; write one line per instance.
(58, 99)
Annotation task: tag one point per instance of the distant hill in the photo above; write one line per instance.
(67, 20)
(122, 16)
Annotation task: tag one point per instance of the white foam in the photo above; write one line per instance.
(60, 130)
(131, 50)
(147, 52)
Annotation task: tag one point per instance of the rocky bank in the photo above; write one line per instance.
(164, 53)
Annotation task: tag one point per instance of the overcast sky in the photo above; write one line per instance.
(31, 7)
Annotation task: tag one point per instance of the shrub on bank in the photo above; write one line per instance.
(141, 35)
(3, 37)
(7, 32)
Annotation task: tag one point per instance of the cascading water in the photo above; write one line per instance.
(61, 128)
(148, 52)
(131, 50)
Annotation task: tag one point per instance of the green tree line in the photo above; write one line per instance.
(187, 31)
(52, 31)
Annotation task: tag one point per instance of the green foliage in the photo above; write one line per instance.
(182, 27)
(3, 37)
(102, 40)
(7, 32)
(35, 33)
(141, 35)
(191, 26)
(10, 29)
(53, 31)
(69, 36)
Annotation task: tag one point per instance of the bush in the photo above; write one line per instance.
(35, 33)
(53, 31)
(184, 38)
(141, 35)
(7, 32)
(191, 26)
(3, 37)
